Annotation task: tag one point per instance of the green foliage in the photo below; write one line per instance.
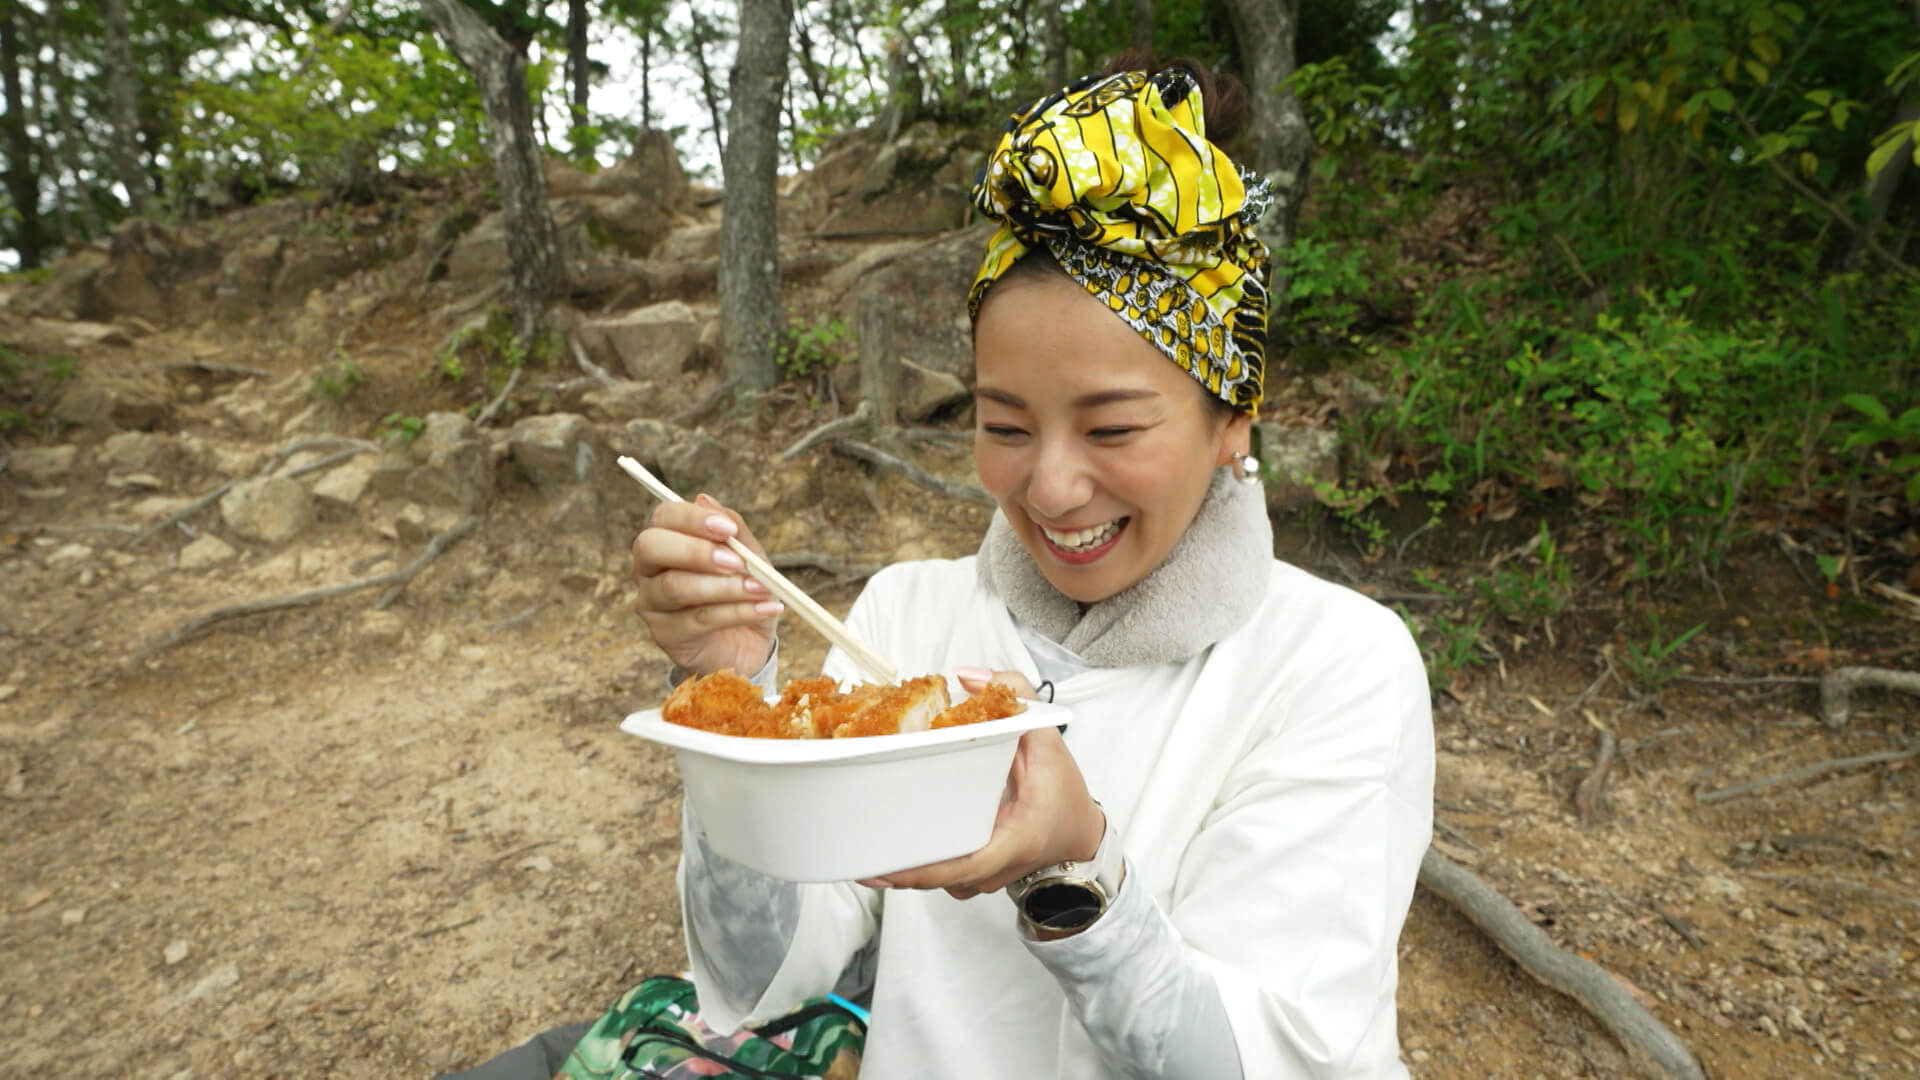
(1650, 661)
(811, 348)
(338, 382)
(1448, 645)
(29, 387)
(334, 110)
(400, 429)
(1524, 596)
(1899, 434)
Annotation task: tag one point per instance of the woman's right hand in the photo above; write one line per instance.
(699, 605)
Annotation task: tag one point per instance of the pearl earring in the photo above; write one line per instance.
(1246, 469)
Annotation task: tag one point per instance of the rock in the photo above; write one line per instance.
(434, 648)
(105, 397)
(712, 343)
(623, 400)
(916, 306)
(62, 335)
(341, 487)
(206, 550)
(247, 275)
(267, 508)
(592, 844)
(73, 916)
(448, 465)
(911, 212)
(577, 512)
(175, 952)
(69, 292)
(317, 262)
(690, 243)
(651, 343)
(33, 898)
(67, 554)
(925, 393)
(554, 451)
(218, 981)
(473, 654)
(1355, 396)
(539, 864)
(8, 690)
(479, 257)
(697, 463)
(382, 628)
(39, 465)
(1293, 460)
(629, 224)
(136, 482)
(140, 452)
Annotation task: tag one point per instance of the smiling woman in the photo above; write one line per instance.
(1258, 741)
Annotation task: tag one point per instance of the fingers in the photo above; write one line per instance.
(975, 679)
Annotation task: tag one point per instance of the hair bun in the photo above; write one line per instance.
(1223, 95)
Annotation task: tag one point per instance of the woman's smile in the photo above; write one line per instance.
(1078, 547)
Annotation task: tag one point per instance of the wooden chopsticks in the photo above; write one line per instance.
(783, 590)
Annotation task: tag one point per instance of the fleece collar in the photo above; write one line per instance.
(1209, 584)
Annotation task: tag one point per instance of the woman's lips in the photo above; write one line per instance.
(1080, 556)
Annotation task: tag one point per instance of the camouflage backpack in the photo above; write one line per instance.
(654, 1030)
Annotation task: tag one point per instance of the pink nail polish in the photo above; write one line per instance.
(727, 560)
(973, 674)
(769, 607)
(753, 586)
(721, 525)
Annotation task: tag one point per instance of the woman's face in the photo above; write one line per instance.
(1097, 448)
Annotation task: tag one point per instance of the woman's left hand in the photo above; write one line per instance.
(1046, 815)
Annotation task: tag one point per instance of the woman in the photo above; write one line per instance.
(1245, 790)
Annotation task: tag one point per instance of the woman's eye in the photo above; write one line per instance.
(1112, 432)
(1001, 431)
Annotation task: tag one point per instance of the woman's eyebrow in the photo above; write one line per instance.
(1084, 401)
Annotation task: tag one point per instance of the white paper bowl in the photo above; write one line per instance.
(845, 809)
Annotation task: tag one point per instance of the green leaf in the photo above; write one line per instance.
(1720, 99)
(1883, 154)
(1766, 49)
(1822, 98)
(1867, 405)
(1759, 71)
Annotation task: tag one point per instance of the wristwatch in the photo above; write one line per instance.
(1067, 897)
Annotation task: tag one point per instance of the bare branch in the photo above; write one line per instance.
(1809, 773)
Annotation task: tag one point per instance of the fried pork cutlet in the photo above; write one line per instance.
(814, 708)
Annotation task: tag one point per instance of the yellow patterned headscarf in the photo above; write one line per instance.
(1115, 178)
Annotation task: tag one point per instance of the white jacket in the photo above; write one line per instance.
(1273, 795)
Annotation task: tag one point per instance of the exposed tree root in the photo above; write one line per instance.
(587, 365)
(500, 399)
(1808, 773)
(395, 580)
(832, 429)
(1589, 797)
(1652, 1045)
(886, 461)
(1836, 689)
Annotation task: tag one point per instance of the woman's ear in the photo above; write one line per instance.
(1236, 437)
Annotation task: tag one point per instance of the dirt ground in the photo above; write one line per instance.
(321, 842)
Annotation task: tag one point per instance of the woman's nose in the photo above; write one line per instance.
(1060, 483)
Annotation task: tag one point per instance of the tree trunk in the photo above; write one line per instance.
(957, 22)
(535, 268)
(1881, 189)
(75, 197)
(1279, 144)
(578, 73)
(751, 321)
(23, 178)
(702, 34)
(1143, 25)
(1054, 31)
(123, 90)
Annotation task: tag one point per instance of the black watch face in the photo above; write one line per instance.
(1062, 906)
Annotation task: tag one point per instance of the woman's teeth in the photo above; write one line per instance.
(1083, 539)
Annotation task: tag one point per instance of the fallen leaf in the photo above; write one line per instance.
(34, 899)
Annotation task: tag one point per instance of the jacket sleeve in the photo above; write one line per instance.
(759, 946)
(1289, 902)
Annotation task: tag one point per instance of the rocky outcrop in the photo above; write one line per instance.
(916, 184)
(1294, 462)
(914, 307)
(653, 342)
